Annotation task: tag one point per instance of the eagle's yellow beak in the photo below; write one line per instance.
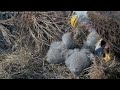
(74, 21)
(107, 57)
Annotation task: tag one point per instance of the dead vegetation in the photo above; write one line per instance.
(26, 40)
(30, 34)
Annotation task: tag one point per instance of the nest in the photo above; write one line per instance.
(33, 30)
(107, 24)
(28, 36)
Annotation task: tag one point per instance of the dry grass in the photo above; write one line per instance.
(102, 70)
(36, 30)
(23, 65)
(30, 37)
(97, 70)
